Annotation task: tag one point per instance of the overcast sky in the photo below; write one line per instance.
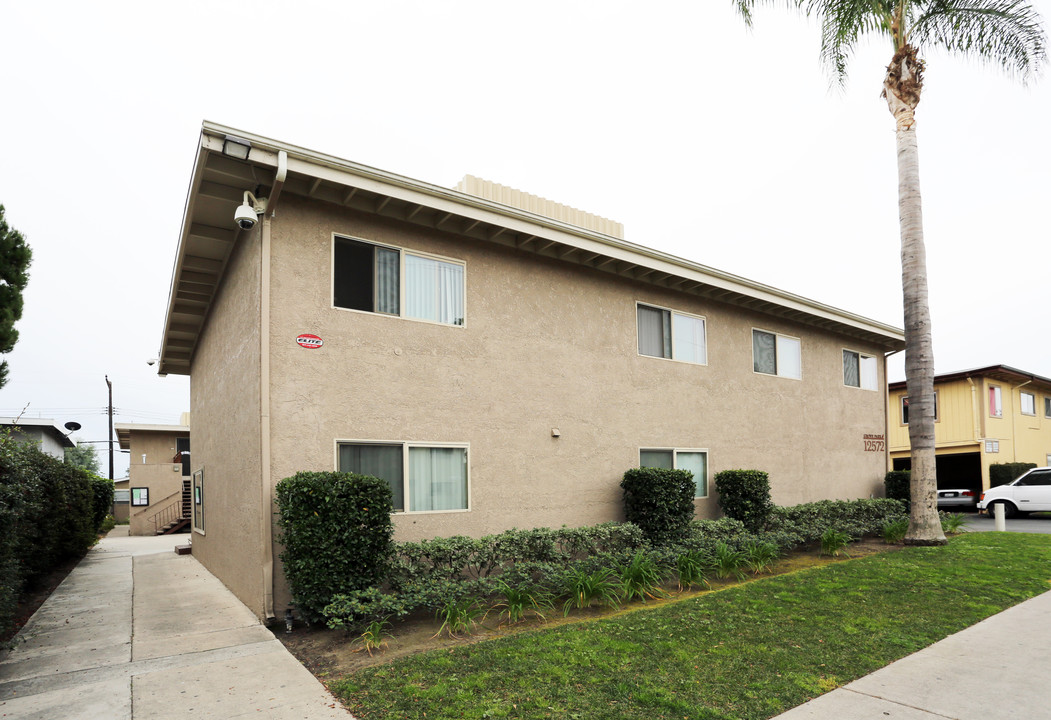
(717, 144)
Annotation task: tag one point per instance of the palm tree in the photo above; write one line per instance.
(1006, 33)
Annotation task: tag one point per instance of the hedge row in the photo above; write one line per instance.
(49, 512)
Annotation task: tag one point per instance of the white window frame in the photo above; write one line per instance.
(197, 513)
(675, 464)
(405, 446)
(672, 313)
(1022, 403)
(402, 251)
(998, 411)
(777, 350)
(861, 375)
(902, 402)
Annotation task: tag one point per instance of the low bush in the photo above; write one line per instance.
(805, 524)
(834, 542)
(336, 529)
(745, 495)
(101, 501)
(659, 502)
(1003, 473)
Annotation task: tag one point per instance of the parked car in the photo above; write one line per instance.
(1029, 493)
(960, 498)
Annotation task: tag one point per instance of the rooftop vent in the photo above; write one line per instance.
(539, 206)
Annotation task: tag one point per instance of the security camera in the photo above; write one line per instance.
(151, 362)
(245, 216)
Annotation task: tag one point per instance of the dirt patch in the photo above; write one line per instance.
(330, 654)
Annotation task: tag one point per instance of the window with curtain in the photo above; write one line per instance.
(672, 335)
(859, 370)
(422, 478)
(1028, 403)
(1047, 407)
(996, 408)
(371, 277)
(774, 354)
(696, 461)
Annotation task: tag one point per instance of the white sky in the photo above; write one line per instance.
(708, 141)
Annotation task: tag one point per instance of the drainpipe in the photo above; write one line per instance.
(886, 415)
(1014, 420)
(266, 520)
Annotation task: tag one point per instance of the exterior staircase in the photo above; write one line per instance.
(175, 518)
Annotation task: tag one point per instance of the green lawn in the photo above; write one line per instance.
(749, 651)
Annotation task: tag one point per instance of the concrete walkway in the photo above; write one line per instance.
(994, 670)
(138, 632)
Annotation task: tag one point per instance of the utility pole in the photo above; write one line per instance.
(110, 386)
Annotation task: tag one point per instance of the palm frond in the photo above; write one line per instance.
(843, 24)
(1005, 33)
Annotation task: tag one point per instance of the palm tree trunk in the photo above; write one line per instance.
(902, 89)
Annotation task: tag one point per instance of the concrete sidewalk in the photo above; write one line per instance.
(994, 670)
(138, 632)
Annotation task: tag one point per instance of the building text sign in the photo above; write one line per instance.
(874, 443)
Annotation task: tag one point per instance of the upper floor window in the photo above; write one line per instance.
(696, 461)
(1047, 407)
(673, 335)
(1028, 404)
(859, 370)
(905, 408)
(774, 354)
(392, 281)
(421, 477)
(996, 408)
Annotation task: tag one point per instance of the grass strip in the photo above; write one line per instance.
(751, 651)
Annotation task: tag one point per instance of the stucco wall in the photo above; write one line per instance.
(547, 344)
(158, 473)
(224, 399)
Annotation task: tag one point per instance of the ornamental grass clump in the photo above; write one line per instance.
(760, 555)
(894, 531)
(375, 635)
(583, 587)
(834, 542)
(693, 568)
(641, 577)
(517, 601)
(728, 562)
(953, 523)
(458, 616)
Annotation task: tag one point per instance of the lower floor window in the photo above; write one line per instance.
(696, 461)
(421, 477)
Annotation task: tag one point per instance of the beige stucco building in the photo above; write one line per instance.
(502, 365)
(158, 486)
(995, 414)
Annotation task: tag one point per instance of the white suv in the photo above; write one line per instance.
(1029, 493)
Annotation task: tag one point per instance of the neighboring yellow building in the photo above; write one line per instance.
(994, 414)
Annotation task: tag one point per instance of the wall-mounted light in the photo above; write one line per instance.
(555, 432)
(236, 147)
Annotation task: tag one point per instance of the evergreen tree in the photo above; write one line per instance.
(85, 456)
(15, 257)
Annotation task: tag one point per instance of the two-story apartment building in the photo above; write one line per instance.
(501, 360)
(158, 485)
(988, 415)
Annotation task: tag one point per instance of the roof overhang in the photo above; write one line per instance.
(124, 431)
(1003, 373)
(220, 180)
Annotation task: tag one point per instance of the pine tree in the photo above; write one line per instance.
(15, 257)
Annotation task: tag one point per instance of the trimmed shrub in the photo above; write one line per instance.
(1003, 473)
(803, 524)
(896, 486)
(659, 502)
(102, 501)
(46, 517)
(336, 529)
(745, 495)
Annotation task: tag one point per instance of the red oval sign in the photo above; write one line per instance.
(311, 342)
